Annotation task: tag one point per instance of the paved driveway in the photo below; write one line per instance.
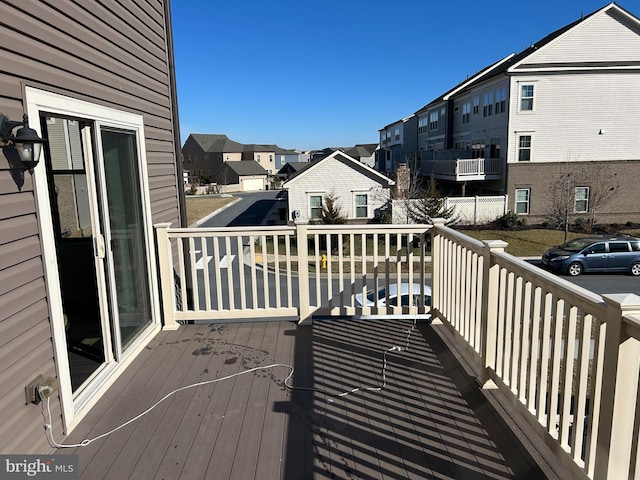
(253, 209)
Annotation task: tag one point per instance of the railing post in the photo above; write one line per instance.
(489, 314)
(303, 272)
(436, 271)
(618, 399)
(165, 268)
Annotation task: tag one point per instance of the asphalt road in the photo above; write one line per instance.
(604, 283)
(251, 210)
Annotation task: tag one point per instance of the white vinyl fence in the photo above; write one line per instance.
(476, 210)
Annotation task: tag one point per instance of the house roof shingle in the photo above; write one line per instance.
(245, 167)
(217, 143)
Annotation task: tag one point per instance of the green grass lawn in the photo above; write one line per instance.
(524, 243)
(531, 242)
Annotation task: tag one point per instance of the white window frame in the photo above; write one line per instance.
(528, 98)
(520, 148)
(487, 108)
(581, 197)
(466, 112)
(310, 208)
(526, 203)
(433, 121)
(356, 206)
(423, 124)
(476, 104)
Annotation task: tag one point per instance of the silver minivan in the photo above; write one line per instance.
(595, 254)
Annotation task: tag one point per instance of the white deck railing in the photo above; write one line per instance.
(568, 359)
(287, 271)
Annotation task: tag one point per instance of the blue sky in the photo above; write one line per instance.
(308, 75)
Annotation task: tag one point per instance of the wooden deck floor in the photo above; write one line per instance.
(429, 421)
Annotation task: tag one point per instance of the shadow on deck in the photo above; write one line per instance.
(429, 421)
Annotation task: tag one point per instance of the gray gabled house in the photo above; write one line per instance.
(78, 281)
(204, 153)
(245, 176)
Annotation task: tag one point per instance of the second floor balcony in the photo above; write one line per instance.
(460, 166)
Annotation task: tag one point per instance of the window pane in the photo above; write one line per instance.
(522, 201)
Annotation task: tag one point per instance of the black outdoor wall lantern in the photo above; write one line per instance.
(27, 143)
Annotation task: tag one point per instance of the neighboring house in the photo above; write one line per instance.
(398, 144)
(78, 282)
(364, 153)
(265, 155)
(291, 168)
(360, 190)
(514, 126)
(203, 154)
(245, 176)
(569, 102)
(284, 157)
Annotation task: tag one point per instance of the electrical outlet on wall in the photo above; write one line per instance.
(32, 392)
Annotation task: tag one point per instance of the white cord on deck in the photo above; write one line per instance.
(49, 427)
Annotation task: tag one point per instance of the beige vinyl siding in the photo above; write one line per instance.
(334, 177)
(569, 113)
(603, 38)
(110, 53)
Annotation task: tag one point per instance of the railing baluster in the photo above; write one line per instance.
(363, 274)
(194, 274)
(352, 274)
(254, 277)
(341, 269)
(328, 272)
(265, 270)
(276, 268)
(230, 289)
(516, 334)
(287, 240)
(545, 356)
(205, 272)
(316, 249)
(243, 293)
(216, 269)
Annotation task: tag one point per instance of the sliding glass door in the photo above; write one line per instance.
(127, 232)
(101, 240)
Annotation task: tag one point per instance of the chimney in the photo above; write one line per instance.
(403, 181)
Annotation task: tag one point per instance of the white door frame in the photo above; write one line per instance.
(37, 101)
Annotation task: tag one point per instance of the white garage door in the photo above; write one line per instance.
(252, 184)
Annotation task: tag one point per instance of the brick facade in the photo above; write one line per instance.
(623, 177)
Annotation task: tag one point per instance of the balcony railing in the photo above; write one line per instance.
(463, 169)
(567, 360)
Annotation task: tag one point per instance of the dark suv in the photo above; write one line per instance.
(595, 254)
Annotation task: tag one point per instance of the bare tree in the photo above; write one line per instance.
(602, 188)
(561, 200)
